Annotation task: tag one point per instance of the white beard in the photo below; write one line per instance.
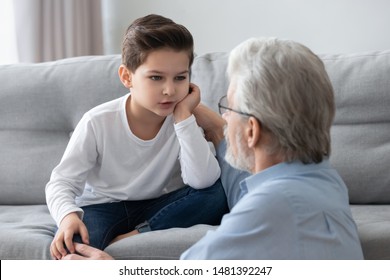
(244, 160)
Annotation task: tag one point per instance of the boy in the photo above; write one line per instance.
(141, 157)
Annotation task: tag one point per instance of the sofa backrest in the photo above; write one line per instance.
(361, 130)
(40, 104)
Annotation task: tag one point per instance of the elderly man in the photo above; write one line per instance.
(277, 117)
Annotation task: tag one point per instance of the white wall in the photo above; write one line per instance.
(326, 26)
(8, 50)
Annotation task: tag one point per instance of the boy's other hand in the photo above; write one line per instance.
(69, 226)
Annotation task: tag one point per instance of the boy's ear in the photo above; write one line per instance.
(125, 76)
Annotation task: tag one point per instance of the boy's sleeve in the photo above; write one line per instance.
(68, 178)
(199, 166)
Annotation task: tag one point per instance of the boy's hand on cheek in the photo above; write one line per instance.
(184, 108)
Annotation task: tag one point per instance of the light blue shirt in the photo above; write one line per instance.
(288, 211)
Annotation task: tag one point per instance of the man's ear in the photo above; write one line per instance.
(125, 76)
(253, 132)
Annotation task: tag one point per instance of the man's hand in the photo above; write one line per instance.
(184, 108)
(69, 226)
(85, 252)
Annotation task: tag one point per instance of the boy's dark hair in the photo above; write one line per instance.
(153, 32)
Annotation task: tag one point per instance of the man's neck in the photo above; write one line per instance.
(263, 161)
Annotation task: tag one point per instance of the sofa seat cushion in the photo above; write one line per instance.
(25, 232)
(373, 222)
(158, 245)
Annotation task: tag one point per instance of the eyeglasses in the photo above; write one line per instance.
(222, 106)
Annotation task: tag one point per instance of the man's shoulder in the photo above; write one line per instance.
(267, 197)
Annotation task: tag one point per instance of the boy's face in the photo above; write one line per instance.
(160, 82)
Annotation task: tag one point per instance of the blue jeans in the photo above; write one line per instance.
(182, 208)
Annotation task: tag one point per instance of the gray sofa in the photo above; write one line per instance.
(40, 104)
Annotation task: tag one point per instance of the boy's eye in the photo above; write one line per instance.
(180, 78)
(156, 78)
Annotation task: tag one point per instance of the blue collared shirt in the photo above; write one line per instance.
(288, 211)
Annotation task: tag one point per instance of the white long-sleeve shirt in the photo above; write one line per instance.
(105, 162)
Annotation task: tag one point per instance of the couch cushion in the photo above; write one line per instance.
(158, 245)
(40, 104)
(25, 232)
(209, 73)
(373, 222)
(361, 130)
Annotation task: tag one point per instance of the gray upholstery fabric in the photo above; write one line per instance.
(209, 73)
(26, 232)
(40, 104)
(154, 245)
(373, 223)
(361, 130)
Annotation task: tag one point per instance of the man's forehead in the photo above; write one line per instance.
(231, 91)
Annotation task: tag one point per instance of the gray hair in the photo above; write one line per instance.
(286, 87)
